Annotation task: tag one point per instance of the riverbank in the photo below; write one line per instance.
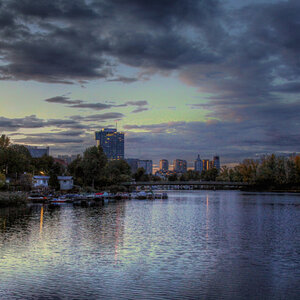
(12, 199)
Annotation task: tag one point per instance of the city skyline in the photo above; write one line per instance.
(178, 77)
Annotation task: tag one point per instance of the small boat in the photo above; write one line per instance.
(37, 198)
(141, 195)
(59, 200)
(99, 195)
(164, 195)
(150, 195)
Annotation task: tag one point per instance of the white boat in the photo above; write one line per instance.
(37, 198)
(141, 195)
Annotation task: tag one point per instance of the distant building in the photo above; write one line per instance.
(112, 142)
(164, 165)
(206, 164)
(36, 152)
(67, 158)
(216, 162)
(40, 181)
(180, 165)
(146, 164)
(198, 164)
(133, 163)
(65, 182)
(61, 162)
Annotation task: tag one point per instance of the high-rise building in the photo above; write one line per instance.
(206, 164)
(133, 163)
(164, 165)
(146, 164)
(36, 152)
(216, 162)
(112, 142)
(180, 166)
(198, 164)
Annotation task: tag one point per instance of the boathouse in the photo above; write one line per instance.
(65, 182)
(40, 181)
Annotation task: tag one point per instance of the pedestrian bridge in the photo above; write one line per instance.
(196, 184)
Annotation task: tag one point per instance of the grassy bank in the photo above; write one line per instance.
(12, 199)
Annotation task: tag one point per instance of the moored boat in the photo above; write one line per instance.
(141, 195)
(59, 200)
(37, 198)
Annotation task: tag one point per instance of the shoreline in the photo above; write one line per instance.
(12, 199)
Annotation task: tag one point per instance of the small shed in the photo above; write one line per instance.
(40, 181)
(65, 182)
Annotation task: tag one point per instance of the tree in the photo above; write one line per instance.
(75, 168)
(247, 170)
(209, 175)
(224, 174)
(141, 175)
(172, 177)
(4, 141)
(19, 160)
(115, 172)
(2, 180)
(42, 165)
(94, 161)
(55, 171)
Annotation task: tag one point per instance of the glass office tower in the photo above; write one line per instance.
(112, 142)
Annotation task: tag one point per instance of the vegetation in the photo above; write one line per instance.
(17, 164)
(12, 199)
(2, 180)
(95, 171)
(271, 172)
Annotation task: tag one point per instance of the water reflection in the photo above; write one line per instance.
(195, 245)
(41, 219)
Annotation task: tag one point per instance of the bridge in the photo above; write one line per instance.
(196, 184)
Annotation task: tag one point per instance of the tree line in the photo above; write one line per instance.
(94, 170)
(269, 172)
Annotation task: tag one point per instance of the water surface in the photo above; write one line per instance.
(195, 245)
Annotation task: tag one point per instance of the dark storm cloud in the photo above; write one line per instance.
(67, 41)
(14, 124)
(235, 54)
(231, 139)
(244, 60)
(94, 106)
(53, 9)
(140, 109)
(75, 125)
(72, 133)
(62, 100)
(47, 140)
(100, 117)
(140, 104)
(124, 79)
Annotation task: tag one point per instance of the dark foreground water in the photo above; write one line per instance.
(195, 245)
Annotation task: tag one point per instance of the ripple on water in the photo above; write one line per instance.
(203, 244)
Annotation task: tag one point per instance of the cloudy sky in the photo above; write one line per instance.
(180, 77)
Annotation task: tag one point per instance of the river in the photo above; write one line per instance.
(194, 245)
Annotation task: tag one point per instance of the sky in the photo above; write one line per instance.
(179, 77)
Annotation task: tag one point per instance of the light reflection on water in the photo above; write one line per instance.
(195, 245)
